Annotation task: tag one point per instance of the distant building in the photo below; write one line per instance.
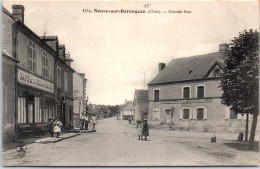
(186, 94)
(79, 96)
(126, 110)
(140, 105)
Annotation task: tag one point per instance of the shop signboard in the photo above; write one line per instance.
(31, 80)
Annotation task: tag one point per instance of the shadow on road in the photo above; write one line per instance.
(243, 146)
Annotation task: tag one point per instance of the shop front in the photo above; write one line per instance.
(36, 103)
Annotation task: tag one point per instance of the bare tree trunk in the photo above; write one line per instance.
(246, 135)
(253, 129)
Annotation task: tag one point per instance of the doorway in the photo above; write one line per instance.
(168, 115)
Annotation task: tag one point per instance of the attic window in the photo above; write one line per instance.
(190, 71)
(216, 72)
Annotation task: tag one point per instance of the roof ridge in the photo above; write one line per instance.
(195, 56)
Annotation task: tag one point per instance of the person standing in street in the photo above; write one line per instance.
(145, 130)
(82, 120)
(140, 129)
(94, 122)
(51, 126)
(57, 127)
(86, 121)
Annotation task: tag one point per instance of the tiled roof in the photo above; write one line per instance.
(188, 68)
(127, 106)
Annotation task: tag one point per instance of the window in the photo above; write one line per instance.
(59, 77)
(156, 95)
(217, 72)
(45, 69)
(200, 92)
(200, 114)
(65, 81)
(186, 92)
(156, 114)
(21, 110)
(37, 117)
(32, 57)
(186, 113)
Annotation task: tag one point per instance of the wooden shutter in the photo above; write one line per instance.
(194, 114)
(181, 114)
(190, 114)
(205, 114)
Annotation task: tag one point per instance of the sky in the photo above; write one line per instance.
(120, 52)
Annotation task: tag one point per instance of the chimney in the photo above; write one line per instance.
(223, 47)
(161, 66)
(18, 12)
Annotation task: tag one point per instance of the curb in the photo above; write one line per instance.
(57, 140)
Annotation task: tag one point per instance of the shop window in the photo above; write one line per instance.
(156, 95)
(186, 92)
(59, 77)
(21, 110)
(45, 64)
(200, 114)
(200, 91)
(37, 117)
(65, 81)
(156, 114)
(186, 113)
(32, 57)
(30, 112)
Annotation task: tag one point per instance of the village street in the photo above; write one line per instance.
(115, 144)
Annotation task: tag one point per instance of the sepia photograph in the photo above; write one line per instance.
(130, 83)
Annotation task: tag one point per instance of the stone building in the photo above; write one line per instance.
(127, 110)
(186, 95)
(37, 97)
(34, 75)
(79, 96)
(63, 74)
(8, 96)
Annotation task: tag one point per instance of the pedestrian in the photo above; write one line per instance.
(51, 126)
(140, 129)
(145, 130)
(86, 119)
(94, 122)
(57, 127)
(82, 120)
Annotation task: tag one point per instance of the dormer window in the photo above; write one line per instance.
(217, 72)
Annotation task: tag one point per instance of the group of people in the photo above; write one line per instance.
(86, 120)
(143, 129)
(55, 127)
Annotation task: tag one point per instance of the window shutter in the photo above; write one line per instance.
(194, 114)
(190, 114)
(205, 115)
(239, 116)
(181, 114)
(227, 113)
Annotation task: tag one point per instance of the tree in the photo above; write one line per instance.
(240, 79)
